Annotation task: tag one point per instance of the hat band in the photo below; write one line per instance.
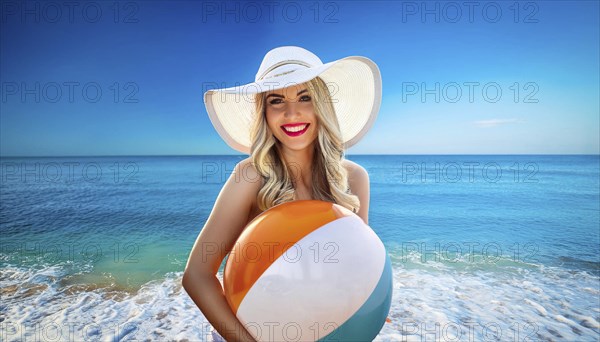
(266, 73)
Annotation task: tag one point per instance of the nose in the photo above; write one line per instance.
(292, 109)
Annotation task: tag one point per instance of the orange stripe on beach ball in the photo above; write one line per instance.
(280, 228)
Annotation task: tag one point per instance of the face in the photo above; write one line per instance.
(291, 117)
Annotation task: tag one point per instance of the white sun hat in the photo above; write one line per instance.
(354, 84)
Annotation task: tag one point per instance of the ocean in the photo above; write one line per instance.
(483, 247)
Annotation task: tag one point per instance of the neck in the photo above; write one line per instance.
(299, 163)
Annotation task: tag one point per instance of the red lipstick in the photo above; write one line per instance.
(292, 129)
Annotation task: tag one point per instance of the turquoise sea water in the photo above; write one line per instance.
(483, 247)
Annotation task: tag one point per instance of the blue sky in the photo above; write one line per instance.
(152, 60)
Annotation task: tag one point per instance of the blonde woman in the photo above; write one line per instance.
(295, 121)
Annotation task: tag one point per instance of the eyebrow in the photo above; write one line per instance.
(281, 96)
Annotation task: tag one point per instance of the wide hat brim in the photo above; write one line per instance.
(354, 84)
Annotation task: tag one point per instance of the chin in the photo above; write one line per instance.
(298, 146)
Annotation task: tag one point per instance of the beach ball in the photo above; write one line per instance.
(309, 271)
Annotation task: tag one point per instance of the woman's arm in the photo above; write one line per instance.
(220, 232)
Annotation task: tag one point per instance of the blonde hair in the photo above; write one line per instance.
(330, 178)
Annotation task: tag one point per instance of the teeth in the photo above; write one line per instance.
(295, 128)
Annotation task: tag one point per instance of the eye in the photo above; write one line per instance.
(305, 98)
(275, 101)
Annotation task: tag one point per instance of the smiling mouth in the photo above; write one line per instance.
(295, 130)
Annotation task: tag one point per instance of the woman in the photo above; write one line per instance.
(295, 121)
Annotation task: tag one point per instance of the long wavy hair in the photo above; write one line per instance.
(329, 177)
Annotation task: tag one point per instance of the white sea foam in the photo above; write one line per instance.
(451, 305)
(437, 303)
(160, 310)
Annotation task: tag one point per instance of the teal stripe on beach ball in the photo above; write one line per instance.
(366, 323)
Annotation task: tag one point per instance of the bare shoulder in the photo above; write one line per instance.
(358, 181)
(356, 173)
(244, 179)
